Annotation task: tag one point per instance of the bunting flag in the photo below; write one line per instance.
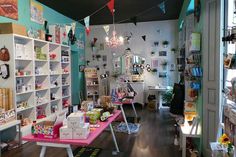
(68, 28)
(87, 30)
(86, 22)
(144, 37)
(111, 5)
(162, 6)
(73, 25)
(134, 20)
(106, 28)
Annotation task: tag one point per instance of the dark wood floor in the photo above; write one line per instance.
(155, 139)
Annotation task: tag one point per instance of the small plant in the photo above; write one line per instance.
(98, 57)
(165, 43)
(154, 70)
(173, 50)
(167, 96)
(164, 63)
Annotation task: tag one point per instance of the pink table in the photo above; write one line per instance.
(128, 101)
(67, 143)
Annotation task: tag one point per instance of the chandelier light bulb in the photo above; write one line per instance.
(107, 39)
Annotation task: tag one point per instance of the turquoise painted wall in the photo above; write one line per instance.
(197, 28)
(54, 17)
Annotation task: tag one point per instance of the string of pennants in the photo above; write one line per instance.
(110, 6)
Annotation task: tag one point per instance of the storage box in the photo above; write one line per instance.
(75, 120)
(81, 133)
(47, 129)
(12, 28)
(41, 34)
(66, 133)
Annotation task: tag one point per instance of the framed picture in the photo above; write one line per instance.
(104, 58)
(154, 63)
(9, 8)
(172, 67)
(101, 46)
(162, 53)
(36, 12)
(81, 68)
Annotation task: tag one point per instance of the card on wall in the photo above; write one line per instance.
(154, 63)
(36, 12)
(101, 46)
(9, 8)
(104, 58)
(162, 74)
(162, 53)
(172, 67)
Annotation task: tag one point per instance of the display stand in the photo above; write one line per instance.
(39, 76)
(92, 84)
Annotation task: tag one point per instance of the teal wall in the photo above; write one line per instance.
(197, 28)
(54, 17)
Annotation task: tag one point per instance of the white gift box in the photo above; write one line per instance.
(66, 133)
(81, 133)
(75, 120)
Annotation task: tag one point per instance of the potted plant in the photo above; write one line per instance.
(167, 96)
(98, 57)
(173, 50)
(165, 43)
(154, 70)
(153, 53)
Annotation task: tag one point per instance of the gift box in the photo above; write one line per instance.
(66, 132)
(12, 28)
(81, 133)
(75, 120)
(47, 129)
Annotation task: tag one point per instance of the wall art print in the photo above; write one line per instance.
(36, 12)
(9, 9)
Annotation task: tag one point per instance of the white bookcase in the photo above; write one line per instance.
(39, 76)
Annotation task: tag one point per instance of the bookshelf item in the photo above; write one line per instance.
(38, 77)
(92, 83)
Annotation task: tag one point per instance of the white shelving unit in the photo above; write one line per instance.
(39, 76)
(92, 83)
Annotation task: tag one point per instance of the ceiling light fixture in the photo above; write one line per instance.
(114, 41)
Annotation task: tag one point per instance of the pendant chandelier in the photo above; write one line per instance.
(114, 41)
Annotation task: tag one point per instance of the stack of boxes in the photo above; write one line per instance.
(76, 127)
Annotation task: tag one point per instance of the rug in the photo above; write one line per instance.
(87, 152)
(134, 128)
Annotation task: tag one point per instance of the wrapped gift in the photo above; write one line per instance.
(81, 133)
(76, 120)
(66, 132)
(47, 129)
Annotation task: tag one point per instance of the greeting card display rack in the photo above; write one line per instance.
(39, 77)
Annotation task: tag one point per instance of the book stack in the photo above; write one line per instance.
(6, 99)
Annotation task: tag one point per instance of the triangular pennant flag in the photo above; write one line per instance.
(106, 28)
(134, 20)
(68, 28)
(87, 29)
(144, 37)
(110, 5)
(86, 21)
(94, 40)
(162, 6)
(73, 25)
